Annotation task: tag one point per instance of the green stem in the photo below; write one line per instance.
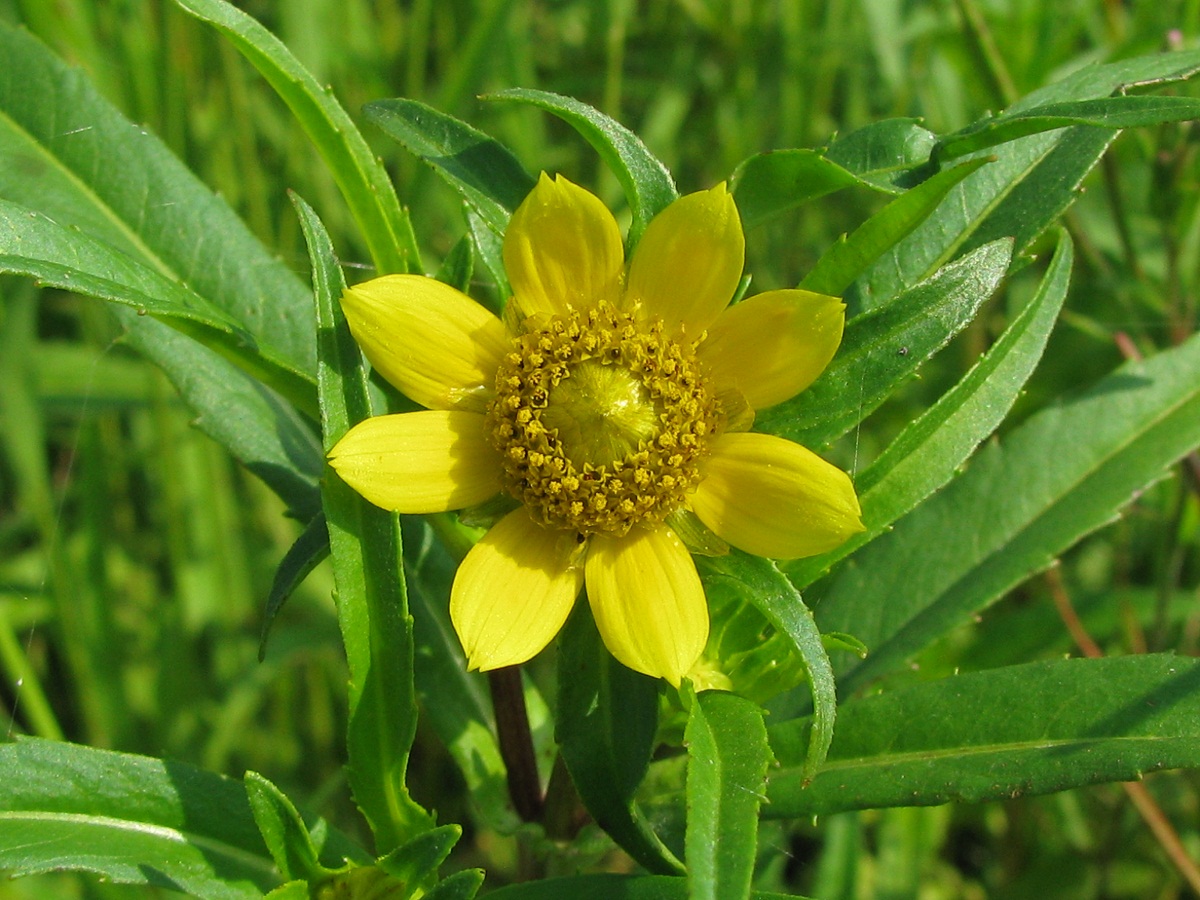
(30, 698)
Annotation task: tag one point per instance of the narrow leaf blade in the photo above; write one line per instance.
(1063, 473)
(129, 818)
(927, 454)
(483, 171)
(728, 757)
(886, 345)
(365, 549)
(762, 584)
(360, 176)
(1082, 721)
(648, 185)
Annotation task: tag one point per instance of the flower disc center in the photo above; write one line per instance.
(601, 421)
(602, 413)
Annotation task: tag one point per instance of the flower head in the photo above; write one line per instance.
(615, 400)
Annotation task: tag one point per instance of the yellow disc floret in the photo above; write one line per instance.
(601, 421)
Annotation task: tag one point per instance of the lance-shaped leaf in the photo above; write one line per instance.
(1081, 721)
(612, 887)
(1033, 180)
(768, 184)
(69, 154)
(837, 268)
(927, 454)
(727, 766)
(1024, 499)
(886, 152)
(1108, 112)
(131, 819)
(483, 171)
(283, 830)
(761, 583)
(607, 715)
(886, 345)
(647, 183)
(32, 244)
(372, 604)
(360, 176)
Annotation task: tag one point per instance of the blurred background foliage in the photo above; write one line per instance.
(135, 556)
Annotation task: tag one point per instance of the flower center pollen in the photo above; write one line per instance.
(601, 421)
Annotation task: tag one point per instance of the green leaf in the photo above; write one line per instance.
(1033, 180)
(372, 603)
(417, 861)
(884, 346)
(927, 454)
(1081, 721)
(607, 716)
(264, 432)
(884, 152)
(69, 154)
(1023, 500)
(460, 886)
(727, 766)
(360, 176)
(32, 244)
(647, 183)
(131, 819)
(283, 829)
(309, 550)
(846, 260)
(1109, 112)
(761, 583)
(612, 887)
(483, 171)
(771, 183)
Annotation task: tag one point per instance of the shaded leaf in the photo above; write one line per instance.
(131, 819)
(607, 716)
(308, 551)
(768, 184)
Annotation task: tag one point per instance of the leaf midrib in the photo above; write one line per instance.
(202, 842)
(98, 202)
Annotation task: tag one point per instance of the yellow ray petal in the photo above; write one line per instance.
(771, 497)
(689, 261)
(434, 343)
(648, 601)
(514, 590)
(420, 462)
(773, 345)
(562, 249)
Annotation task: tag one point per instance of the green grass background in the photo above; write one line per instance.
(135, 555)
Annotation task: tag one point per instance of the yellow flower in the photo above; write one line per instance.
(614, 401)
